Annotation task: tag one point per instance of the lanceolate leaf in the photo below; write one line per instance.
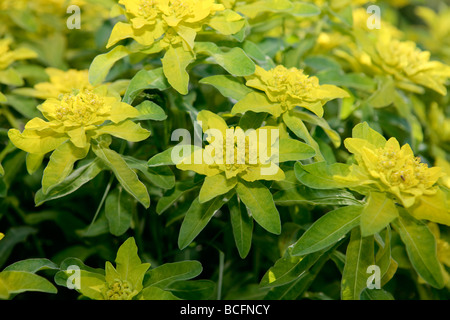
(259, 201)
(196, 218)
(242, 225)
(377, 214)
(327, 230)
(168, 273)
(228, 86)
(359, 256)
(420, 245)
(73, 182)
(127, 177)
(119, 210)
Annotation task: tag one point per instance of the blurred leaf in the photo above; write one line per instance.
(13, 236)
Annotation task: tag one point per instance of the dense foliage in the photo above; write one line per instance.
(208, 149)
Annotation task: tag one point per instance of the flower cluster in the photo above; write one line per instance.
(284, 90)
(169, 22)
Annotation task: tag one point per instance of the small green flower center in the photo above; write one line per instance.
(119, 290)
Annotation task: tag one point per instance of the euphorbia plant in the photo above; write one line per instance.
(261, 194)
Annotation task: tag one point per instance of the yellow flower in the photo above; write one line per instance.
(73, 121)
(285, 89)
(62, 82)
(231, 152)
(408, 65)
(393, 169)
(8, 56)
(150, 21)
(78, 117)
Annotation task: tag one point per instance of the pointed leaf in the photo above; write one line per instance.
(327, 230)
(259, 202)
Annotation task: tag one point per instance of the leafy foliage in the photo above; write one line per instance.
(225, 149)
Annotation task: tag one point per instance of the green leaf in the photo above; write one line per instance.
(145, 79)
(289, 268)
(91, 284)
(160, 176)
(168, 156)
(196, 218)
(102, 63)
(174, 65)
(359, 256)
(127, 177)
(192, 290)
(32, 265)
(321, 122)
(292, 150)
(252, 120)
(256, 102)
(150, 111)
(15, 282)
(295, 289)
(376, 294)
(155, 293)
(365, 132)
(171, 196)
(379, 211)
(73, 182)
(129, 266)
(227, 22)
(61, 164)
(242, 225)
(127, 130)
(327, 230)
(259, 202)
(234, 61)
(214, 186)
(228, 86)
(119, 211)
(13, 236)
(420, 245)
(351, 80)
(319, 175)
(168, 273)
(254, 52)
(297, 126)
(385, 93)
